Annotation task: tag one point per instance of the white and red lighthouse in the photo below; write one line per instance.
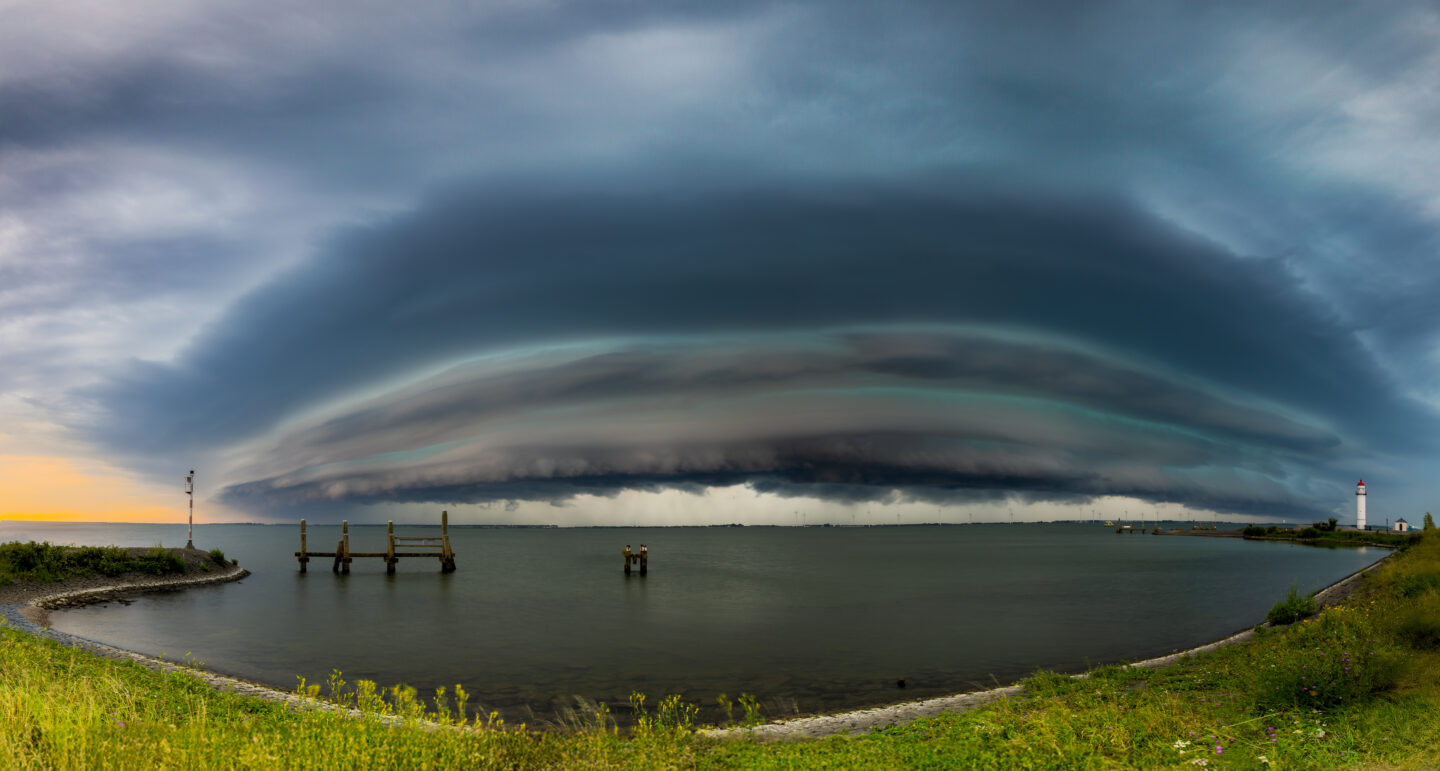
(1360, 505)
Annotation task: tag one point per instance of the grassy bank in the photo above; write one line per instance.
(1333, 537)
(1352, 687)
(42, 562)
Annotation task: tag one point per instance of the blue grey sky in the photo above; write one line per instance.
(554, 261)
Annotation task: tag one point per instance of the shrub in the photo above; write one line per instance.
(1253, 530)
(1309, 532)
(1336, 659)
(1418, 622)
(1294, 607)
(217, 556)
(159, 561)
(1047, 683)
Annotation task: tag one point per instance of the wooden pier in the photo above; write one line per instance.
(642, 557)
(420, 547)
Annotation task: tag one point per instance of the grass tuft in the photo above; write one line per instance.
(1294, 607)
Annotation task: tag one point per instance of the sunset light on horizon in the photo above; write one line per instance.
(66, 489)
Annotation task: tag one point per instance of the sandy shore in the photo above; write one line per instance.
(24, 606)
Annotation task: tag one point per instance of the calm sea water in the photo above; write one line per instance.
(809, 620)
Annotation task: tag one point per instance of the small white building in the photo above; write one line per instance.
(1401, 526)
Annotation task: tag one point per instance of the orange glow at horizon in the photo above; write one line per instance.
(61, 489)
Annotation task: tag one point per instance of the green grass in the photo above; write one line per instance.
(1293, 607)
(1333, 537)
(1354, 687)
(43, 562)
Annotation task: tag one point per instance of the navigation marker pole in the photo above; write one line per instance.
(190, 491)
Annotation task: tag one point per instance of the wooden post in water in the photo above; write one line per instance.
(447, 557)
(339, 554)
(644, 559)
(303, 558)
(390, 548)
(345, 546)
(626, 552)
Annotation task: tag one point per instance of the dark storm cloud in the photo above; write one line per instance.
(1211, 225)
(477, 272)
(460, 403)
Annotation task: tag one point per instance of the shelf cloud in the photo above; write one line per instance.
(527, 252)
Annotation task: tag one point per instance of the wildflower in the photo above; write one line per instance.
(1181, 744)
(1264, 760)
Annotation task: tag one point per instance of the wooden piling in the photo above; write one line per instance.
(626, 552)
(304, 557)
(447, 557)
(345, 546)
(390, 548)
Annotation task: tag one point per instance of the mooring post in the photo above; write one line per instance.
(389, 547)
(626, 552)
(345, 546)
(644, 559)
(447, 557)
(304, 557)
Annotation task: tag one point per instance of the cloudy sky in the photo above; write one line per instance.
(629, 262)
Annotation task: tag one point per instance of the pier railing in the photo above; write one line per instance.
(396, 547)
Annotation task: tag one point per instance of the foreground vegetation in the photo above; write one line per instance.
(1357, 686)
(1319, 534)
(43, 562)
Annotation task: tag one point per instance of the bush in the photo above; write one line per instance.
(218, 556)
(1309, 532)
(159, 561)
(1294, 607)
(1418, 622)
(1253, 530)
(1336, 659)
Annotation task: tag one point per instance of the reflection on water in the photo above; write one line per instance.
(815, 619)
